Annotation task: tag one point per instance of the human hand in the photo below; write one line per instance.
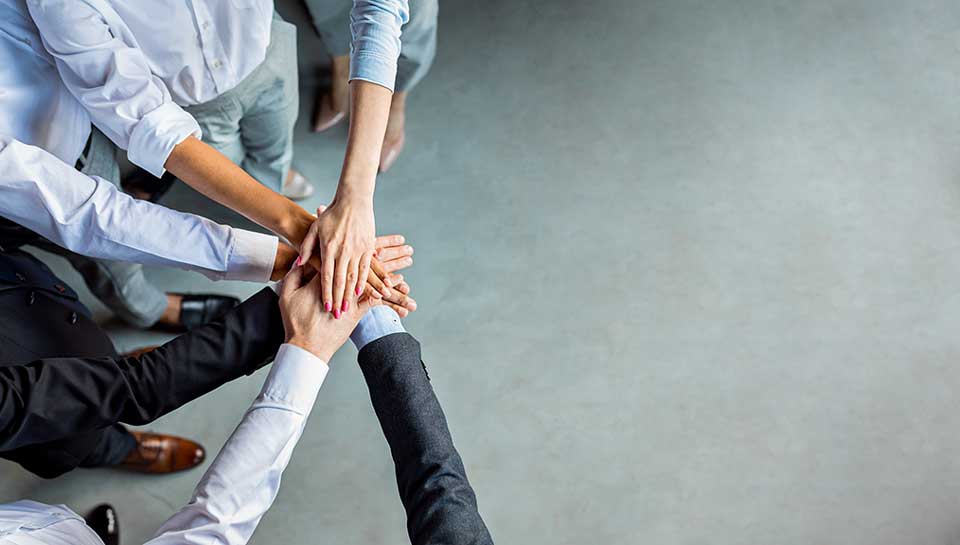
(305, 325)
(344, 234)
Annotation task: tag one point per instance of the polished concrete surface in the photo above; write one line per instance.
(687, 273)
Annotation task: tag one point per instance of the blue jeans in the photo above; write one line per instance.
(252, 124)
(418, 41)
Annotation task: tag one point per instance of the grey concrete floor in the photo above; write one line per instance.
(687, 273)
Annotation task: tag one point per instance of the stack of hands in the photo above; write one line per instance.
(351, 257)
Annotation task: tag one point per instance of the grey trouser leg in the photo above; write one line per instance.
(252, 124)
(122, 287)
(418, 45)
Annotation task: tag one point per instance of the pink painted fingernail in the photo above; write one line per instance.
(359, 290)
(336, 314)
(327, 307)
(346, 306)
(299, 261)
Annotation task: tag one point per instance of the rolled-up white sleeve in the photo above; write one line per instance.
(242, 482)
(375, 27)
(110, 76)
(91, 217)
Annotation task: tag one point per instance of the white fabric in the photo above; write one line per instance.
(31, 523)
(91, 217)
(237, 489)
(35, 106)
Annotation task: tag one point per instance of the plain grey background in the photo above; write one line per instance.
(687, 273)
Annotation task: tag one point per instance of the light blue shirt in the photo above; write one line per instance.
(375, 28)
(378, 322)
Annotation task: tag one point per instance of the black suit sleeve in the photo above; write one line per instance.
(53, 398)
(440, 503)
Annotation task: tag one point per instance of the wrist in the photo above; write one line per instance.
(283, 262)
(356, 189)
(294, 225)
(306, 343)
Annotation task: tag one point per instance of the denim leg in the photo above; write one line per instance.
(418, 44)
(271, 104)
(219, 121)
(122, 287)
(331, 18)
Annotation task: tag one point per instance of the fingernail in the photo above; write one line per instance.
(336, 314)
(299, 261)
(346, 306)
(385, 292)
(359, 290)
(327, 307)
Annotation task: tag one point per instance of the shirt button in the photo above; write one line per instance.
(205, 25)
(31, 297)
(73, 317)
(217, 63)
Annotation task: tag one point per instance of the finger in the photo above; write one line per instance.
(349, 288)
(308, 243)
(404, 288)
(402, 312)
(326, 279)
(362, 271)
(397, 264)
(402, 300)
(339, 286)
(386, 241)
(377, 267)
(366, 303)
(394, 252)
(375, 284)
(291, 281)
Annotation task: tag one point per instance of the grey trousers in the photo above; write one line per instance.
(252, 124)
(418, 39)
(122, 287)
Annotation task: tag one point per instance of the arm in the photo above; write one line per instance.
(110, 76)
(93, 393)
(346, 230)
(241, 484)
(92, 217)
(440, 503)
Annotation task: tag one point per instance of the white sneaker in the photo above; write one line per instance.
(296, 187)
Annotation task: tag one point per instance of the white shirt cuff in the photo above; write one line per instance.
(294, 380)
(253, 256)
(378, 322)
(157, 133)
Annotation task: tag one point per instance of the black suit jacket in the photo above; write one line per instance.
(53, 398)
(440, 503)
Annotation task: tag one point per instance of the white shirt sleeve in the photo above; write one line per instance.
(102, 67)
(90, 216)
(375, 27)
(241, 484)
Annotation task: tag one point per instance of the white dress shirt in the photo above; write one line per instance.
(90, 216)
(133, 63)
(35, 106)
(237, 489)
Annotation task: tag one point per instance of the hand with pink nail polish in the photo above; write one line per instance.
(303, 322)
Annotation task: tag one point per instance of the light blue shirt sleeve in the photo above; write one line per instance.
(375, 27)
(379, 321)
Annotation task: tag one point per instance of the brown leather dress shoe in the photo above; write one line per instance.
(156, 453)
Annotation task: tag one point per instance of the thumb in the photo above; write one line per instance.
(292, 281)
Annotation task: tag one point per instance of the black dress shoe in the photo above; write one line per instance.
(199, 308)
(103, 521)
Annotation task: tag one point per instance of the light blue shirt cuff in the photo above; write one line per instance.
(378, 322)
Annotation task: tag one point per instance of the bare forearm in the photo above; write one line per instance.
(369, 111)
(211, 173)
